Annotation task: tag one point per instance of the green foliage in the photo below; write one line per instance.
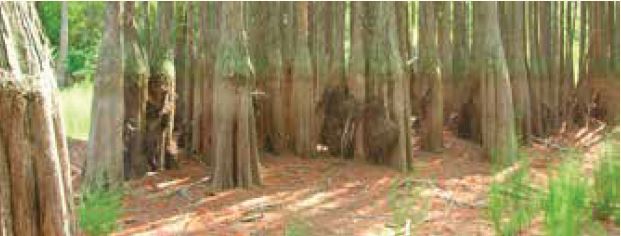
(513, 203)
(86, 21)
(606, 183)
(76, 109)
(99, 210)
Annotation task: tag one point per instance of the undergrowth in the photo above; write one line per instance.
(606, 183)
(569, 204)
(566, 206)
(513, 203)
(99, 210)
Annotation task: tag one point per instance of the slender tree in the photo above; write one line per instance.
(534, 69)
(104, 159)
(431, 100)
(512, 32)
(267, 60)
(236, 152)
(182, 73)
(135, 75)
(442, 12)
(356, 73)
(63, 49)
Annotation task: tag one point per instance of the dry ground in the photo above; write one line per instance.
(329, 196)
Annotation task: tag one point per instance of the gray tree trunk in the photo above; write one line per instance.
(63, 49)
(104, 161)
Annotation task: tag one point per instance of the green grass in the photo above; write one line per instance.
(76, 109)
(566, 205)
(513, 203)
(606, 183)
(99, 210)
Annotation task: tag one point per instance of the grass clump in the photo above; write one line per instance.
(76, 109)
(513, 203)
(566, 205)
(99, 210)
(606, 183)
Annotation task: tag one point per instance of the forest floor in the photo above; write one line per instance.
(445, 195)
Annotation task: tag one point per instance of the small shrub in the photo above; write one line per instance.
(99, 210)
(606, 183)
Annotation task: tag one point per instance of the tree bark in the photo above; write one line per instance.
(445, 54)
(267, 60)
(236, 152)
(104, 160)
(512, 32)
(431, 100)
(63, 49)
(387, 106)
(136, 73)
(356, 74)
(182, 74)
(35, 187)
(498, 132)
(534, 70)
(302, 87)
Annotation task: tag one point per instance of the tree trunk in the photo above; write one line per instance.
(356, 74)
(236, 151)
(288, 33)
(63, 49)
(498, 132)
(302, 88)
(534, 70)
(512, 22)
(267, 60)
(445, 54)
(104, 161)
(386, 111)
(182, 73)
(35, 186)
(136, 73)
(554, 67)
(431, 103)
(567, 64)
(159, 139)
